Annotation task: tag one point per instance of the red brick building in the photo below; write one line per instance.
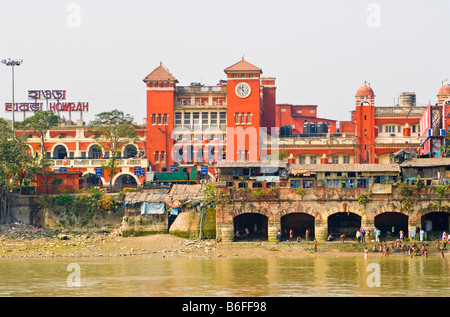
(199, 124)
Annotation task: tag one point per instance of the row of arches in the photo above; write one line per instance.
(121, 180)
(94, 151)
(254, 226)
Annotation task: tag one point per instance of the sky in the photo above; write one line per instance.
(320, 52)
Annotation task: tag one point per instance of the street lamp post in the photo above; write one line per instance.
(12, 63)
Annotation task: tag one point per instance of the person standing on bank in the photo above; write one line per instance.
(363, 236)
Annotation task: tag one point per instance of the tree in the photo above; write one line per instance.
(113, 130)
(446, 146)
(16, 163)
(40, 123)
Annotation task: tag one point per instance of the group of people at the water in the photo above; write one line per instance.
(398, 245)
(413, 250)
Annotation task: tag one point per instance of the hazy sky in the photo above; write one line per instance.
(320, 52)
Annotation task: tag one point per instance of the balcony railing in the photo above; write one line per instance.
(99, 162)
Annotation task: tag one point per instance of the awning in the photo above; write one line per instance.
(301, 172)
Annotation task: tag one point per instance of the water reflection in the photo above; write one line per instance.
(232, 277)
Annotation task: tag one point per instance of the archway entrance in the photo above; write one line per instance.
(298, 223)
(91, 180)
(344, 223)
(390, 224)
(124, 181)
(434, 223)
(59, 152)
(255, 223)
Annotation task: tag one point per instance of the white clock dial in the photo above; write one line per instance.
(243, 90)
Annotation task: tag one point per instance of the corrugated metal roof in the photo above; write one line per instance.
(155, 196)
(186, 192)
(178, 193)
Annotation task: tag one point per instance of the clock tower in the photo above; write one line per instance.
(243, 111)
(365, 125)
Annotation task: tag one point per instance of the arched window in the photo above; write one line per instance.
(236, 116)
(243, 118)
(159, 118)
(165, 119)
(163, 156)
(249, 118)
(157, 156)
(153, 119)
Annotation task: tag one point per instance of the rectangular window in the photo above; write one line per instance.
(308, 183)
(196, 119)
(335, 159)
(205, 119)
(313, 159)
(333, 183)
(295, 183)
(213, 118)
(187, 119)
(362, 183)
(301, 159)
(223, 118)
(177, 118)
(346, 159)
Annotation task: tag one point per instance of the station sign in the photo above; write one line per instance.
(55, 101)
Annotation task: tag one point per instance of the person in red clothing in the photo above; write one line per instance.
(315, 245)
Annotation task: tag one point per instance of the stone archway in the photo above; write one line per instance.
(255, 223)
(125, 180)
(343, 223)
(391, 223)
(434, 223)
(298, 222)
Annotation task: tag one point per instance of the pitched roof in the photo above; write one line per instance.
(246, 164)
(426, 162)
(394, 168)
(160, 73)
(242, 65)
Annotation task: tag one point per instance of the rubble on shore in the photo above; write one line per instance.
(18, 240)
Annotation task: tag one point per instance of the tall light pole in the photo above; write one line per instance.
(12, 63)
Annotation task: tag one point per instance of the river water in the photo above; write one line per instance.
(225, 277)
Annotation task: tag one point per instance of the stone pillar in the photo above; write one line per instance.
(413, 222)
(272, 230)
(368, 225)
(321, 230)
(225, 232)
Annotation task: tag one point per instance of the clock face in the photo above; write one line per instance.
(243, 90)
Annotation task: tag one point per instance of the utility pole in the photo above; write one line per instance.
(12, 63)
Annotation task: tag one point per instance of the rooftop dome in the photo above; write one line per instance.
(445, 90)
(365, 91)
